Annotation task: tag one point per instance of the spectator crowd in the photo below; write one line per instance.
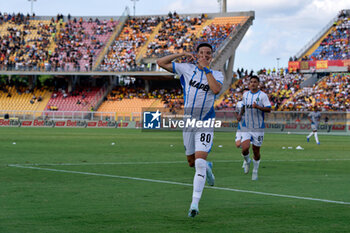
(278, 86)
(336, 45)
(330, 94)
(51, 45)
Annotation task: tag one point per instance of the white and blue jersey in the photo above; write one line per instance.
(239, 107)
(198, 97)
(315, 118)
(253, 117)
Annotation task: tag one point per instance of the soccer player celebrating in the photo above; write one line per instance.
(314, 117)
(255, 103)
(200, 86)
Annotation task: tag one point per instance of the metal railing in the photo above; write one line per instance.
(290, 116)
(56, 115)
(117, 30)
(224, 115)
(315, 38)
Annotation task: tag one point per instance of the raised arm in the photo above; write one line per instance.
(214, 85)
(264, 109)
(166, 62)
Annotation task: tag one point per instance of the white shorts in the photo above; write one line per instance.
(198, 141)
(313, 127)
(256, 138)
(238, 136)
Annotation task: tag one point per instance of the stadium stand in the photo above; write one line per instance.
(330, 94)
(163, 36)
(79, 43)
(51, 45)
(75, 44)
(176, 35)
(181, 34)
(122, 55)
(22, 99)
(278, 87)
(25, 43)
(126, 100)
(335, 43)
(83, 99)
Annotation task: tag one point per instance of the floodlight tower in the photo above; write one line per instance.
(223, 6)
(31, 6)
(134, 5)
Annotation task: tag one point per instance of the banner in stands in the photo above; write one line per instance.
(304, 65)
(293, 65)
(321, 65)
(225, 126)
(67, 124)
(292, 127)
(346, 62)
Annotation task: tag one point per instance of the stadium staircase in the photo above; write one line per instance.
(225, 54)
(118, 29)
(46, 95)
(105, 92)
(221, 98)
(309, 80)
(143, 49)
(34, 32)
(157, 104)
(52, 45)
(227, 92)
(200, 30)
(290, 99)
(315, 79)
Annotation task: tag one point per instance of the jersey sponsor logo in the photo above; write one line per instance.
(199, 85)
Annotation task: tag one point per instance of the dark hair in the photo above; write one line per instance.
(256, 77)
(204, 45)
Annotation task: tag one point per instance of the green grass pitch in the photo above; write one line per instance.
(106, 197)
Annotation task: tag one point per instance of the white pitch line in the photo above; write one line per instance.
(183, 184)
(107, 163)
(172, 162)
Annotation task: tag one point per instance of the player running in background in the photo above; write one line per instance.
(239, 107)
(256, 103)
(238, 138)
(200, 85)
(314, 117)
